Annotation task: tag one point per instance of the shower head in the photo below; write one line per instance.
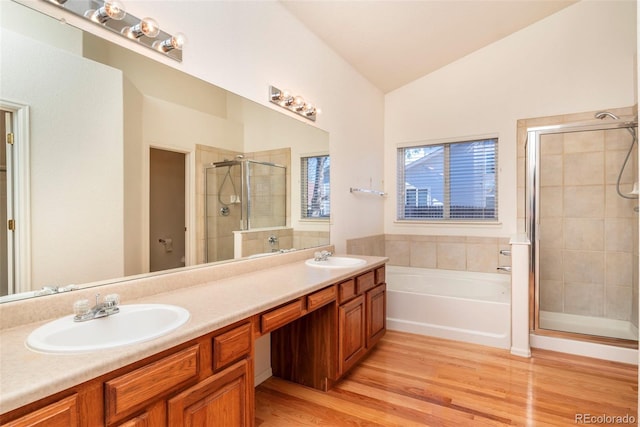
(602, 114)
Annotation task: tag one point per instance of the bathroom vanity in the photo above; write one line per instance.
(321, 321)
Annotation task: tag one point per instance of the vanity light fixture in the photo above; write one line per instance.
(111, 15)
(296, 104)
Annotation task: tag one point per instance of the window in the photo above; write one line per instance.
(452, 181)
(315, 187)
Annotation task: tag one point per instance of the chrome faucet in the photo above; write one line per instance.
(107, 307)
(322, 256)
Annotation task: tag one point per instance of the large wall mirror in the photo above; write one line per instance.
(124, 166)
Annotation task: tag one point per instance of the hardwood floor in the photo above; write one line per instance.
(412, 380)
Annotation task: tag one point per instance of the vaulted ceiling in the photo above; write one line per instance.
(393, 42)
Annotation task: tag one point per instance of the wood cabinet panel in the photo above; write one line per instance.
(376, 314)
(224, 399)
(320, 298)
(131, 391)
(281, 316)
(365, 281)
(351, 333)
(63, 413)
(231, 346)
(346, 290)
(380, 275)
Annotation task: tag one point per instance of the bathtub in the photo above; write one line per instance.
(458, 305)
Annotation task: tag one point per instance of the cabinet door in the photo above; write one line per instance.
(224, 399)
(376, 314)
(352, 333)
(63, 413)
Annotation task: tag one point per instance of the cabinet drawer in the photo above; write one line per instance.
(347, 290)
(231, 346)
(132, 390)
(365, 282)
(281, 316)
(380, 275)
(320, 298)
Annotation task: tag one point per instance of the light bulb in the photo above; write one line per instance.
(113, 9)
(175, 42)
(146, 27)
(298, 103)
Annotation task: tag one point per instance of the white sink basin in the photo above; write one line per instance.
(133, 324)
(336, 262)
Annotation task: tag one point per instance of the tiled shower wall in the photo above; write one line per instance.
(463, 253)
(588, 234)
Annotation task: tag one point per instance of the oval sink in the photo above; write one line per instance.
(336, 262)
(133, 324)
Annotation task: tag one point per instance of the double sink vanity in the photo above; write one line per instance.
(183, 350)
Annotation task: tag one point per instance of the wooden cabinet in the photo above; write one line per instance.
(63, 413)
(351, 332)
(362, 317)
(224, 399)
(316, 338)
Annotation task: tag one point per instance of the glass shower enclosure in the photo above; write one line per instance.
(582, 220)
(241, 194)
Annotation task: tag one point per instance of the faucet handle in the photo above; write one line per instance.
(81, 307)
(112, 300)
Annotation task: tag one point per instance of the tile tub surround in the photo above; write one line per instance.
(215, 296)
(462, 253)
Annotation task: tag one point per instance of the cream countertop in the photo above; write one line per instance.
(26, 376)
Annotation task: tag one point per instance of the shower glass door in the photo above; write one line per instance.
(585, 235)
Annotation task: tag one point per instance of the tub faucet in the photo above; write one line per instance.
(322, 256)
(107, 307)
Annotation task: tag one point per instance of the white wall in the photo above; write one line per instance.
(580, 59)
(246, 46)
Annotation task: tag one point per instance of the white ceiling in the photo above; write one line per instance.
(393, 42)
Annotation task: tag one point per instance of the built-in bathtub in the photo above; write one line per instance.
(459, 305)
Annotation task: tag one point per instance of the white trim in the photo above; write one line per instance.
(468, 138)
(21, 197)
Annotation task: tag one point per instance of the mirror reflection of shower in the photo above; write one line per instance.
(241, 194)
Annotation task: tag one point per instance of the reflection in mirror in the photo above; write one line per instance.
(92, 185)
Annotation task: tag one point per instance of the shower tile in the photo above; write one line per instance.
(451, 256)
(551, 295)
(551, 170)
(618, 207)
(584, 142)
(423, 254)
(551, 233)
(551, 144)
(584, 267)
(618, 302)
(551, 202)
(583, 168)
(399, 252)
(619, 267)
(584, 234)
(618, 235)
(613, 164)
(618, 139)
(584, 201)
(551, 264)
(586, 299)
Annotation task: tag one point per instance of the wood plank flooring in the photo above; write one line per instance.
(412, 380)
